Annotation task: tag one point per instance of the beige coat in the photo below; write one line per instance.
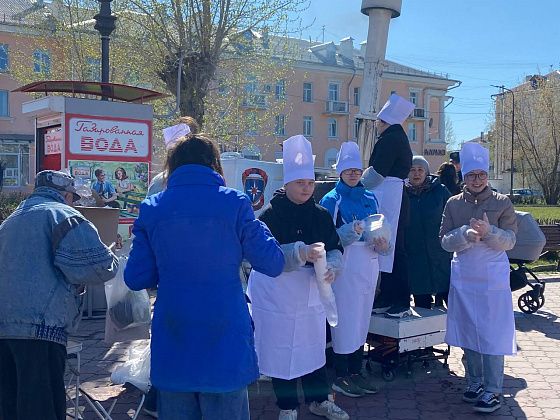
(462, 207)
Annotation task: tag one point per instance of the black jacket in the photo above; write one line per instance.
(307, 222)
(391, 154)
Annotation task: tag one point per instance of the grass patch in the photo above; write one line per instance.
(544, 215)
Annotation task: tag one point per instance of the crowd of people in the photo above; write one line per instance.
(441, 242)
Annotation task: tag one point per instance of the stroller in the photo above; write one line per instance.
(528, 247)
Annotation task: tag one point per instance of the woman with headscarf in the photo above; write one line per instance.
(478, 226)
(289, 316)
(428, 262)
(349, 203)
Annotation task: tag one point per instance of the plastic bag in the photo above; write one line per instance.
(136, 370)
(376, 226)
(326, 293)
(126, 308)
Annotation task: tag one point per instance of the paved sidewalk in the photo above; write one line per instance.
(531, 384)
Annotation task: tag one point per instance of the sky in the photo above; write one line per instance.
(479, 42)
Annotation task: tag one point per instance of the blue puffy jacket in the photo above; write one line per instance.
(189, 242)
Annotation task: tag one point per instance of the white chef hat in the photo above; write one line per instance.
(174, 133)
(395, 110)
(474, 157)
(348, 157)
(297, 159)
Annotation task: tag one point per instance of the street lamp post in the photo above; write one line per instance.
(512, 132)
(105, 25)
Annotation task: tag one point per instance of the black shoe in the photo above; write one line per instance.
(398, 311)
(473, 393)
(488, 403)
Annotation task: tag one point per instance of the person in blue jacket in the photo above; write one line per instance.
(349, 203)
(189, 241)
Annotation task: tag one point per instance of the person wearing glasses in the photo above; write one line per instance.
(348, 204)
(478, 226)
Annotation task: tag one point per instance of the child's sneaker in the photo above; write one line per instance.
(287, 415)
(346, 387)
(329, 410)
(473, 393)
(488, 403)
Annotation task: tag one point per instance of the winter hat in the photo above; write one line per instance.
(395, 110)
(421, 161)
(348, 157)
(474, 157)
(174, 133)
(56, 180)
(297, 159)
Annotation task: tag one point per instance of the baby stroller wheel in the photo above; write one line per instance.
(528, 304)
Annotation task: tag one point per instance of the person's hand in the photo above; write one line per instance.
(311, 253)
(472, 235)
(481, 226)
(380, 245)
(329, 276)
(359, 227)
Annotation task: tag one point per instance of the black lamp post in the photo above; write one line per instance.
(105, 25)
(512, 131)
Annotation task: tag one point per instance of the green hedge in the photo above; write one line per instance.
(9, 201)
(544, 215)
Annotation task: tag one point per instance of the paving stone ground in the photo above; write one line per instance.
(531, 384)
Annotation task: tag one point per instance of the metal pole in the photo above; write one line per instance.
(512, 137)
(105, 25)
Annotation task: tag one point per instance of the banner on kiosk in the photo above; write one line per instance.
(108, 138)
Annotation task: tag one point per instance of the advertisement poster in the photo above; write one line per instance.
(121, 185)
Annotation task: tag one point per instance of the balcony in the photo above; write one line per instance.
(336, 107)
(255, 101)
(418, 113)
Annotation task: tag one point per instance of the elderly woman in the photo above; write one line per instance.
(428, 262)
(349, 203)
(189, 241)
(478, 226)
(290, 320)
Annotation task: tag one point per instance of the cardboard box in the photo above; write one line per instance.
(422, 322)
(105, 219)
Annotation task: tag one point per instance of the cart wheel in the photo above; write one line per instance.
(528, 304)
(388, 375)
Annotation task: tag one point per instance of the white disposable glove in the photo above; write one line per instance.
(311, 252)
(482, 227)
(350, 232)
(472, 235)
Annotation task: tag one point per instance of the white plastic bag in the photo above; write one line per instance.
(136, 370)
(325, 290)
(376, 226)
(126, 308)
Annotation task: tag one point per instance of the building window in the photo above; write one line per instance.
(330, 157)
(333, 128)
(357, 96)
(307, 92)
(411, 132)
(280, 125)
(308, 126)
(93, 69)
(333, 91)
(4, 104)
(41, 62)
(280, 90)
(356, 127)
(16, 160)
(413, 98)
(3, 57)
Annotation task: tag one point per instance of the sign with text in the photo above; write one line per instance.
(108, 138)
(53, 142)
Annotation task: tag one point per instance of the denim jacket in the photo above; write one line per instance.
(48, 251)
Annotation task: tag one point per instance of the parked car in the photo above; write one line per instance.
(526, 195)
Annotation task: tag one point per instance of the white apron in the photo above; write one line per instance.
(480, 310)
(389, 196)
(354, 289)
(290, 323)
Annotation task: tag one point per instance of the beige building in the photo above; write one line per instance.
(323, 98)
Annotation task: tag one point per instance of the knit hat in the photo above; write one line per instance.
(395, 110)
(297, 159)
(421, 161)
(348, 157)
(474, 157)
(56, 180)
